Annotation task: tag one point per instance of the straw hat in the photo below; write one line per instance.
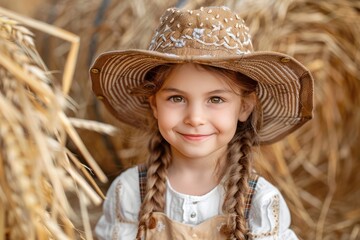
(213, 36)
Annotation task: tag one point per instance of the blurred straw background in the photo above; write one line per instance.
(315, 168)
(38, 172)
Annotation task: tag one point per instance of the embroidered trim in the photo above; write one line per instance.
(276, 213)
(115, 233)
(229, 37)
(160, 226)
(119, 216)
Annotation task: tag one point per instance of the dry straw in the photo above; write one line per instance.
(103, 25)
(36, 168)
(316, 167)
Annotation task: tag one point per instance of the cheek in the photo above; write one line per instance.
(167, 118)
(227, 124)
(226, 121)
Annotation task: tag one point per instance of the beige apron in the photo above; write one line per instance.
(163, 228)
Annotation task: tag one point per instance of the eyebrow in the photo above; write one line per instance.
(217, 91)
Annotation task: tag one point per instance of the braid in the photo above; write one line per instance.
(158, 163)
(237, 186)
(239, 150)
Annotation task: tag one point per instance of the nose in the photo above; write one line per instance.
(195, 115)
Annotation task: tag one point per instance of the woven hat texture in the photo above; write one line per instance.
(212, 36)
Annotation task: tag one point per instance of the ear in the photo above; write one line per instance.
(247, 106)
(152, 102)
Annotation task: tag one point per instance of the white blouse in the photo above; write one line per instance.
(269, 217)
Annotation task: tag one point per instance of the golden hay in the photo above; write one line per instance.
(37, 170)
(102, 25)
(316, 166)
(23, 7)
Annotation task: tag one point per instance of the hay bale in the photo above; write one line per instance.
(102, 26)
(23, 7)
(316, 166)
(37, 170)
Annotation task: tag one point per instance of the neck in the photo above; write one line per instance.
(198, 175)
(209, 166)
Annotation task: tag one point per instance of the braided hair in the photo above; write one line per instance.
(238, 165)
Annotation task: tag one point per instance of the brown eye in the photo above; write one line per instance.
(216, 100)
(176, 99)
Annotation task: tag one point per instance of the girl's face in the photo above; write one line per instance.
(197, 112)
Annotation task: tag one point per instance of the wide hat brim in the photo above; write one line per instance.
(285, 86)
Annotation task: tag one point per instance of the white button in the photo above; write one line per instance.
(193, 214)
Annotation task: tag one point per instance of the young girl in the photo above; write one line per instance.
(207, 99)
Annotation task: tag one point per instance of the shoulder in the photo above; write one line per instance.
(127, 182)
(124, 194)
(264, 190)
(265, 202)
(269, 213)
(129, 177)
(121, 207)
(266, 197)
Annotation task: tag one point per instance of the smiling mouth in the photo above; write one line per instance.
(196, 137)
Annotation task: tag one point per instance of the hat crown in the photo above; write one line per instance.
(209, 31)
